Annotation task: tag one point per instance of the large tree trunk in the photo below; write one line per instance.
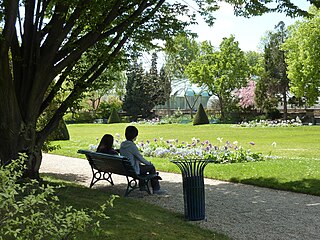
(41, 43)
(19, 112)
(34, 163)
(10, 128)
(21, 140)
(10, 117)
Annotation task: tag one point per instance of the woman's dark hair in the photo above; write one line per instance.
(105, 143)
(131, 132)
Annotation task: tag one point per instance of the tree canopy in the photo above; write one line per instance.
(42, 43)
(248, 8)
(302, 56)
(179, 52)
(273, 86)
(222, 71)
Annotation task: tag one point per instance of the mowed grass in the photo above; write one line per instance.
(130, 218)
(291, 142)
(298, 148)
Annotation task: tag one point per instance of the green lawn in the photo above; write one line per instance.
(291, 142)
(297, 169)
(130, 218)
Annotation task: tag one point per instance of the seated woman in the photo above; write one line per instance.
(106, 145)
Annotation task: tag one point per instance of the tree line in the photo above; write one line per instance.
(52, 52)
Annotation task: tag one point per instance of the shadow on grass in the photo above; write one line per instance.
(130, 218)
(307, 186)
(70, 177)
(231, 208)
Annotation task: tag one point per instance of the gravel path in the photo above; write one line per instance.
(242, 212)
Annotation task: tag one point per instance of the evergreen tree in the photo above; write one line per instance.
(159, 85)
(201, 116)
(145, 90)
(273, 86)
(151, 87)
(134, 97)
(154, 63)
(165, 87)
(114, 116)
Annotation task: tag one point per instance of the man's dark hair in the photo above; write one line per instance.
(131, 132)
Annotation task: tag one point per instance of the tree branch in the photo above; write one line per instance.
(11, 12)
(55, 89)
(90, 76)
(90, 38)
(55, 27)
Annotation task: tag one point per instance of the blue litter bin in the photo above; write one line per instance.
(193, 187)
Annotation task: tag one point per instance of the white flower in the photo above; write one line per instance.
(92, 147)
(274, 144)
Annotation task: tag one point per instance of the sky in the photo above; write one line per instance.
(248, 32)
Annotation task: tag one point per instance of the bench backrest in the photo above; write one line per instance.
(109, 163)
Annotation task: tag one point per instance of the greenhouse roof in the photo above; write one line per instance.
(183, 87)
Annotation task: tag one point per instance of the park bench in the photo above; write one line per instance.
(104, 165)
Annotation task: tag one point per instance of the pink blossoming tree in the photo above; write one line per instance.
(246, 95)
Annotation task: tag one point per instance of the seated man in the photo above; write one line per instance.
(129, 149)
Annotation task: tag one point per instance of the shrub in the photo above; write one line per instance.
(31, 211)
(103, 111)
(201, 116)
(114, 102)
(79, 117)
(84, 117)
(114, 116)
(69, 118)
(60, 133)
(105, 107)
(274, 114)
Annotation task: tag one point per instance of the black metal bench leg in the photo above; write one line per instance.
(132, 184)
(97, 176)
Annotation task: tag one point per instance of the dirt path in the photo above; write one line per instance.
(240, 211)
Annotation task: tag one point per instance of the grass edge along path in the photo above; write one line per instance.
(296, 175)
(290, 172)
(131, 218)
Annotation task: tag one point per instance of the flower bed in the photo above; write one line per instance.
(272, 123)
(223, 152)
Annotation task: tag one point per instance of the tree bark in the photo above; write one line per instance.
(41, 51)
(285, 104)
